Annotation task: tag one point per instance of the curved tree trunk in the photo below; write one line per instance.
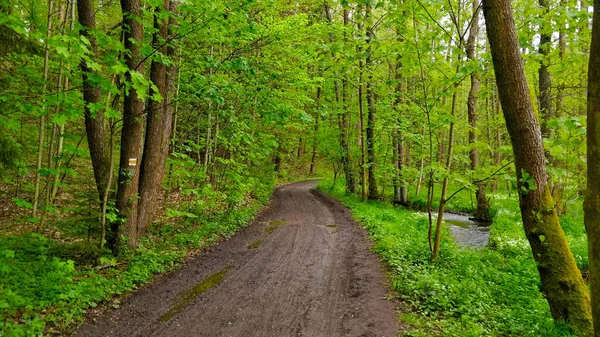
(562, 283)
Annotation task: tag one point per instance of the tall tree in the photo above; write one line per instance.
(92, 96)
(398, 143)
(132, 130)
(545, 79)
(482, 211)
(345, 121)
(591, 205)
(562, 283)
(158, 124)
(370, 139)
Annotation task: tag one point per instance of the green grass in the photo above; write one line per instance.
(489, 292)
(46, 286)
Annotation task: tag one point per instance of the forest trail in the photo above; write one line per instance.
(303, 268)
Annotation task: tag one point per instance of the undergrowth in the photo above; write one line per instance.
(494, 291)
(46, 286)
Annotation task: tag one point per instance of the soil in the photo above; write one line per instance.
(303, 268)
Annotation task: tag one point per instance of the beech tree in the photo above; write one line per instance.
(562, 283)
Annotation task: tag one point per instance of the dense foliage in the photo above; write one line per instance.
(398, 97)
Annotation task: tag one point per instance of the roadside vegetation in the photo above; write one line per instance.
(466, 292)
(48, 285)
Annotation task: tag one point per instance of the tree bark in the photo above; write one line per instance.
(591, 205)
(345, 125)
(400, 189)
(545, 79)
(92, 96)
(313, 157)
(562, 283)
(40, 154)
(483, 206)
(158, 126)
(361, 139)
(371, 160)
(131, 133)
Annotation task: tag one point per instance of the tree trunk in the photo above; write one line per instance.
(498, 154)
(158, 126)
(483, 206)
(345, 125)
(371, 162)
(40, 155)
(438, 228)
(400, 188)
(131, 133)
(591, 206)
(315, 133)
(545, 80)
(92, 96)
(361, 139)
(561, 280)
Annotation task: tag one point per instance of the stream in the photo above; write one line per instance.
(467, 233)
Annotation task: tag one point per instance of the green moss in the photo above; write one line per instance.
(273, 226)
(255, 244)
(185, 297)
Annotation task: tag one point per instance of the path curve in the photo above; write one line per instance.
(303, 268)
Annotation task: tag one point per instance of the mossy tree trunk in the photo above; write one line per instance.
(591, 206)
(562, 283)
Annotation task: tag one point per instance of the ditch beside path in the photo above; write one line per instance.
(303, 268)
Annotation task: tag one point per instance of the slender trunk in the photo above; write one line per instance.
(498, 154)
(345, 124)
(107, 190)
(69, 15)
(370, 131)
(363, 168)
(361, 117)
(591, 205)
(438, 226)
(562, 283)
(38, 177)
(400, 188)
(545, 80)
(132, 131)
(315, 133)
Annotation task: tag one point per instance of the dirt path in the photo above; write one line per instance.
(302, 269)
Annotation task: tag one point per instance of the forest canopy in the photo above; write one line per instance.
(127, 126)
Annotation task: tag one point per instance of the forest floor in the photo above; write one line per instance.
(303, 268)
